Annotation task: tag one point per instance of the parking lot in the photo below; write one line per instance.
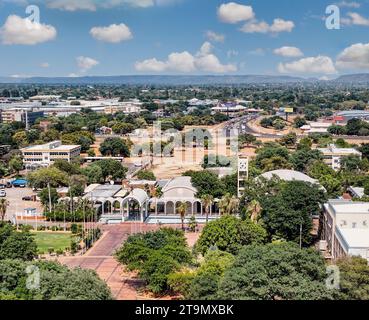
(17, 205)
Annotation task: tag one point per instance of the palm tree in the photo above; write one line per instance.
(3, 208)
(207, 200)
(229, 205)
(234, 205)
(182, 209)
(254, 208)
(224, 203)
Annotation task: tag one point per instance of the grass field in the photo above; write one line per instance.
(55, 240)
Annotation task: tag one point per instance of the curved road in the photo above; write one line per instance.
(242, 124)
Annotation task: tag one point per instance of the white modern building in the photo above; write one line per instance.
(45, 155)
(333, 155)
(346, 228)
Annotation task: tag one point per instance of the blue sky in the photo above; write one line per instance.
(119, 37)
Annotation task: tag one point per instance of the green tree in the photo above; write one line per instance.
(229, 234)
(115, 147)
(16, 164)
(275, 272)
(155, 255)
(293, 205)
(16, 245)
(207, 201)
(41, 178)
(112, 169)
(354, 278)
(146, 175)
(45, 199)
(57, 282)
(4, 204)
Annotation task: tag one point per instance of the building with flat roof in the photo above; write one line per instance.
(346, 228)
(46, 154)
(333, 155)
(353, 114)
(28, 117)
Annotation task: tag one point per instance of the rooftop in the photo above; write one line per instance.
(334, 150)
(289, 175)
(355, 238)
(54, 146)
(103, 191)
(347, 207)
(179, 182)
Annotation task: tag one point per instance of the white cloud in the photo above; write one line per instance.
(20, 76)
(354, 57)
(348, 4)
(45, 65)
(113, 33)
(17, 30)
(291, 52)
(311, 65)
(279, 25)
(151, 65)
(355, 19)
(86, 63)
(233, 12)
(93, 5)
(216, 37)
(204, 60)
(71, 5)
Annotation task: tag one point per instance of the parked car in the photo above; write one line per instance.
(2, 186)
(27, 198)
(9, 185)
(2, 193)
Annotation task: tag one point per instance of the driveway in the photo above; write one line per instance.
(124, 285)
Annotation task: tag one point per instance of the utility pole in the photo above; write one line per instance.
(301, 236)
(49, 190)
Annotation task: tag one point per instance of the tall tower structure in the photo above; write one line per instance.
(243, 174)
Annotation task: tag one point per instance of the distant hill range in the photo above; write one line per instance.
(181, 80)
(359, 78)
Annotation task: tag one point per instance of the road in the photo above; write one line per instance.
(242, 124)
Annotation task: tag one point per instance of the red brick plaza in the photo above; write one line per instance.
(124, 285)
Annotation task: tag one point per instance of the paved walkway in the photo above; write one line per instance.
(124, 285)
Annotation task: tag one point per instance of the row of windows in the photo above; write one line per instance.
(354, 224)
(33, 153)
(41, 160)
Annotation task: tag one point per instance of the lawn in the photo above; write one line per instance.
(55, 240)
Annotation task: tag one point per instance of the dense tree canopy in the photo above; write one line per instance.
(229, 234)
(155, 255)
(275, 272)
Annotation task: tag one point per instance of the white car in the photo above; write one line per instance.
(2, 193)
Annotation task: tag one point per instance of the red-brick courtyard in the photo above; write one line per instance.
(124, 285)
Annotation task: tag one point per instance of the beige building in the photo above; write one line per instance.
(46, 154)
(346, 228)
(333, 155)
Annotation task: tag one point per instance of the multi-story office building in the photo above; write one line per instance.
(19, 115)
(45, 155)
(346, 228)
(333, 155)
